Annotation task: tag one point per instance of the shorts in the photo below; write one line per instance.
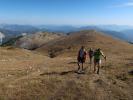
(97, 61)
(81, 60)
(90, 56)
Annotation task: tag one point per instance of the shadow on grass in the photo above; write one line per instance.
(73, 62)
(64, 72)
(59, 73)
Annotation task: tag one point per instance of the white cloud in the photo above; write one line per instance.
(127, 4)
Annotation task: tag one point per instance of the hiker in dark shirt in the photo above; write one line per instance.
(90, 53)
(81, 58)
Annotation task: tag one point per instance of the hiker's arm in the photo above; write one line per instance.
(103, 55)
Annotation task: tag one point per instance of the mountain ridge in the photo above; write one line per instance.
(121, 32)
(90, 39)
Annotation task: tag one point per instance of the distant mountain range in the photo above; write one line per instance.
(129, 33)
(118, 31)
(122, 32)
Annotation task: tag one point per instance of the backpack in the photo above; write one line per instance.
(97, 54)
(91, 53)
(82, 54)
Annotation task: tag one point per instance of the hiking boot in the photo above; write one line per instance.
(79, 70)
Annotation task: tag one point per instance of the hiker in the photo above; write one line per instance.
(97, 59)
(91, 52)
(81, 58)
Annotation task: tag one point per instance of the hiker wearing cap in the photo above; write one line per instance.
(97, 59)
(81, 58)
(90, 53)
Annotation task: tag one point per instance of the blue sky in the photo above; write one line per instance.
(68, 12)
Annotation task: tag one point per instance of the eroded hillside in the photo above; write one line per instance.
(34, 41)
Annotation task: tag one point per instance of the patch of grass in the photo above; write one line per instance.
(122, 77)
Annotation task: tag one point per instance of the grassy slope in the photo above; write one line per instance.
(69, 45)
(28, 75)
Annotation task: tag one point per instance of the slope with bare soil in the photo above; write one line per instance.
(34, 41)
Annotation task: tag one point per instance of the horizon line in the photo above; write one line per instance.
(65, 24)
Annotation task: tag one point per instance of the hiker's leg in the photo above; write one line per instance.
(98, 69)
(90, 62)
(78, 66)
(95, 65)
(90, 59)
(99, 65)
(82, 66)
(100, 62)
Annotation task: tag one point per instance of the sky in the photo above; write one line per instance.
(66, 12)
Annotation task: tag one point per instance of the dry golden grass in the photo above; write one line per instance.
(69, 45)
(26, 75)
